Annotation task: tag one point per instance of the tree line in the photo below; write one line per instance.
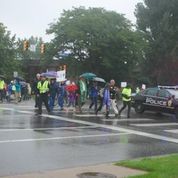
(106, 43)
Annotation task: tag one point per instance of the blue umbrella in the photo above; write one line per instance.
(88, 75)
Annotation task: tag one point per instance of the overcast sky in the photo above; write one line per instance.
(32, 17)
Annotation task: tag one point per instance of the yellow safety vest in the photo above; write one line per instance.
(126, 94)
(43, 88)
(2, 84)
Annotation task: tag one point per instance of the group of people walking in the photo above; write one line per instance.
(109, 99)
(15, 90)
(46, 91)
(76, 93)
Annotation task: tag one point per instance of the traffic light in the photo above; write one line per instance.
(42, 48)
(25, 45)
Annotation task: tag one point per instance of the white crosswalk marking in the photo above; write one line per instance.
(92, 115)
(172, 131)
(126, 120)
(155, 124)
(63, 138)
(51, 128)
(114, 128)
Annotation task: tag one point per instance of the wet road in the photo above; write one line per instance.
(33, 143)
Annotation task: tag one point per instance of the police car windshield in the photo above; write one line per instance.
(173, 92)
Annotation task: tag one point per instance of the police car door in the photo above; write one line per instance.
(151, 99)
(163, 98)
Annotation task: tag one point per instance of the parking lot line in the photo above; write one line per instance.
(63, 138)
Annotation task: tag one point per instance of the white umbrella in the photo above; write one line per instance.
(98, 79)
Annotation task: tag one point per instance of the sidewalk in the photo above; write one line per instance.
(118, 171)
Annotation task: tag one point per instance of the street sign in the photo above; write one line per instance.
(15, 74)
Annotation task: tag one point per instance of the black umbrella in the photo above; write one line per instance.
(19, 78)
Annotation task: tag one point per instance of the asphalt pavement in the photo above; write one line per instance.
(32, 143)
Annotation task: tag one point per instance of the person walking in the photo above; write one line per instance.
(94, 96)
(100, 98)
(113, 92)
(43, 86)
(53, 93)
(2, 87)
(18, 91)
(71, 92)
(35, 90)
(61, 95)
(81, 94)
(126, 98)
(107, 99)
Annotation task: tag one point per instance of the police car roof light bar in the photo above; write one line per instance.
(168, 87)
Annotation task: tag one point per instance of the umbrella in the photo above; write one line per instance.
(19, 78)
(23, 84)
(98, 79)
(88, 75)
(50, 74)
(71, 87)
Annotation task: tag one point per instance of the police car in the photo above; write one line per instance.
(160, 99)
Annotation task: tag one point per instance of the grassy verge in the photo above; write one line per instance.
(158, 167)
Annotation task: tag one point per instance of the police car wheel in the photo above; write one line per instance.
(139, 108)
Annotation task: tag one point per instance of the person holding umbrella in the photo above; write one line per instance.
(81, 93)
(94, 95)
(71, 89)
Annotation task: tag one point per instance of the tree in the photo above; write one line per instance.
(158, 20)
(97, 40)
(9, 64)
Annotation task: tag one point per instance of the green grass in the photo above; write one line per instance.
(158, 167)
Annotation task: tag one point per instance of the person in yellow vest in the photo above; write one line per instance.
(126, 98)
(2, 87)
(43, 87)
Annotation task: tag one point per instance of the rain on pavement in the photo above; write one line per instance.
(31, 143)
